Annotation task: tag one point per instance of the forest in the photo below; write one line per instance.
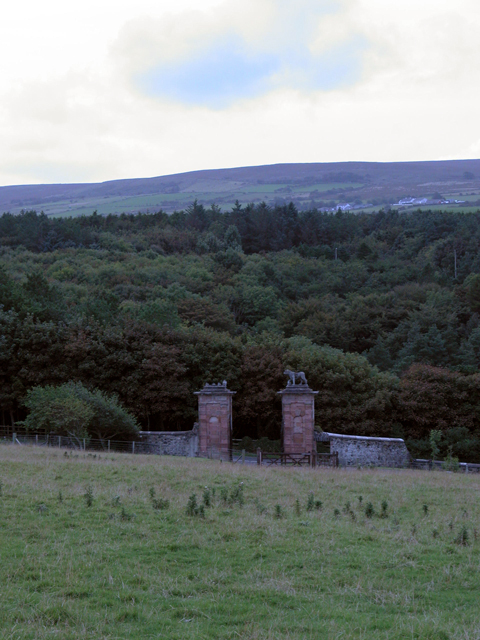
(381, 311)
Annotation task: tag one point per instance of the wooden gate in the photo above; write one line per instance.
(297, 459)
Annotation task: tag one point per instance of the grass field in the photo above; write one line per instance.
(89, 549)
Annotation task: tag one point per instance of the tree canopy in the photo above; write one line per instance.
(149, 307)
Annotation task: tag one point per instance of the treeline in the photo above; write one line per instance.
(260, 228)
(381, 311)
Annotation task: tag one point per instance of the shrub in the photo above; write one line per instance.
(73, 410)
(451, 462)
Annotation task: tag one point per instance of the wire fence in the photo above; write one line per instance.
(23, 438)
(235, 455)
(68, 442)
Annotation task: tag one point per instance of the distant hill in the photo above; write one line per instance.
(362, 184)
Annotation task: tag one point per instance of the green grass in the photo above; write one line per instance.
(126, 568)
(170, 201)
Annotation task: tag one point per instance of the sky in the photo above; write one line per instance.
(101, 89)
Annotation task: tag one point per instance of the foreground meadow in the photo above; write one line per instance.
(116, 547)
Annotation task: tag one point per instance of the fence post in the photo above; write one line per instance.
(109, 446)
(243, 456)
(84, 445)
(36, 439)
(259, 456)
(14, 437)
(133, 447)
(59, 441)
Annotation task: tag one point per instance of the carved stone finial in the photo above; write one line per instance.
(294, 376)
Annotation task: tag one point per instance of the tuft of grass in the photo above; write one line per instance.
(224, 495)
(463, 537)
(207, 497)
(160, 504)
(369, 510)
(384, 512)
(278, 513)
(126, 516)
(261, 508)
(425, 509)
(88, 495)
(310, 502)
(192, 506)
(60, 496)
(298, 509)
(237, 496)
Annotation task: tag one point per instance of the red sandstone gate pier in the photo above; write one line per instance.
(215, 421)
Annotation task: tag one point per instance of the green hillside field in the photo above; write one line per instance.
(90, 548)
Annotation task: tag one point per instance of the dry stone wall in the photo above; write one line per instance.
(170, 443)
(363, 451)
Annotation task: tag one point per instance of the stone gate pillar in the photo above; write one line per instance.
(298, 415)
(215, 421)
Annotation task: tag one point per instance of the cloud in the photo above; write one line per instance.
(216, 77)
(239, 51)
(228, 71)
(148, 88)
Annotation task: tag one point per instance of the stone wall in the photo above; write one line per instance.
(169, 443)
(363, 451)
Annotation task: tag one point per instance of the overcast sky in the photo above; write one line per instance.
(104, 89)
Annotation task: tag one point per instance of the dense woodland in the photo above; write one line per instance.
(381, 311)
